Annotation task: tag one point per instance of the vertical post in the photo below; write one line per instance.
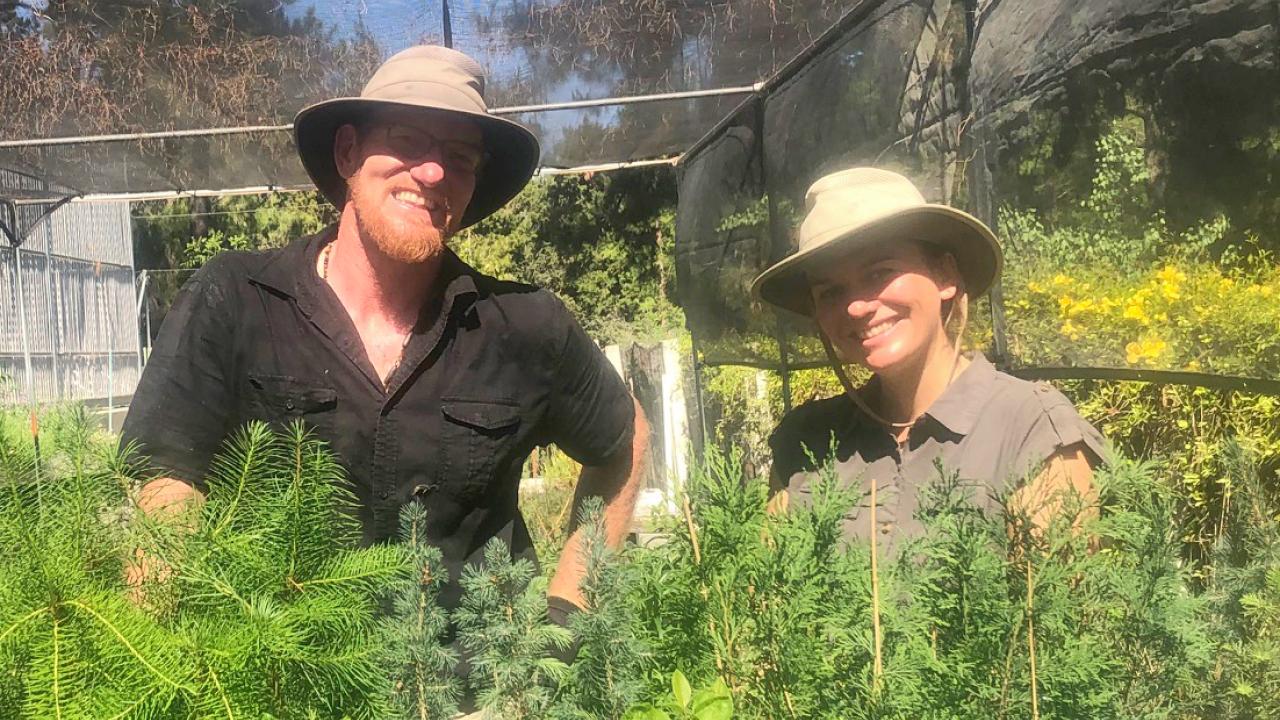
(22, 323)
(138, 306)
(448, 24)
(776, 232)
(54, 325)
(697, 392)
(111, 356)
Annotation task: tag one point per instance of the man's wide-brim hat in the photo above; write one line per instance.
(431, 79)
(860, 208)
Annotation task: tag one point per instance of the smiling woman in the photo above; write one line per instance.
(887, 277)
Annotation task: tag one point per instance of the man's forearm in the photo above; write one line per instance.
(165, 500)
(618, 484)
(165, 497)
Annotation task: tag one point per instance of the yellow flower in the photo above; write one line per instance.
(1080, 306)
(1146, 350)
(1171, 275)
(1060, 280)
(1070, 330)
(1132, 353)
(1135, 311)
(1035, 287)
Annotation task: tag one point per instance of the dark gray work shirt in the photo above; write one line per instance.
(991, 428)
(493, 369)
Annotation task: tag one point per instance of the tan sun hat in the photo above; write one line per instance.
(853, 209)
(432, 79)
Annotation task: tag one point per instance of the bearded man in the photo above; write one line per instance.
(431, 381)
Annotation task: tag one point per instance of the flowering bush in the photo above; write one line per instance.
(1181, 314)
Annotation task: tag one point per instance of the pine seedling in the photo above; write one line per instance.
(71, 645)
(606, 676)
(426, 685)
(277, 610)
(502, 624)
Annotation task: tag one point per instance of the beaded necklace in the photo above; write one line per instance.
(325, 254)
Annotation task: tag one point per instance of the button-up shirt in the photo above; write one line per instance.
(994, 430)
(492, 370)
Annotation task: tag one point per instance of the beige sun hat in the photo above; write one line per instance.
(432, 79)
(854, 209)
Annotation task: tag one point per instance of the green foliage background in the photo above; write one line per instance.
(269, 611)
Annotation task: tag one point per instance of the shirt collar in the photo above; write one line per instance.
(292, 272)
(958, 407)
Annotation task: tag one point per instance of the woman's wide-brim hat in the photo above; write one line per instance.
(859, 208)
(432, 79)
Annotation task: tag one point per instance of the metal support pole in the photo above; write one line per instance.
(105, 306)
(448, 24)
(697, 392)
(22, 322)
(139, 306)
(54, 325)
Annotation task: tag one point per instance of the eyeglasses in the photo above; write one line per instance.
(413, 145)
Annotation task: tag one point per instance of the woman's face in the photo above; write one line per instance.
(883, 305)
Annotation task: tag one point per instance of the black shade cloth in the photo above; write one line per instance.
(1123, 151)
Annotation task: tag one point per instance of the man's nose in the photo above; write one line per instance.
(428, 171)
(859, 309)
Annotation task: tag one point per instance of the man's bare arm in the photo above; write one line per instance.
(617, 482)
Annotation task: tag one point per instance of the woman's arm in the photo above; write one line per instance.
(1065, 473)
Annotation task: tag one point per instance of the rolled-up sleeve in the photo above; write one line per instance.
(590, 414)
(178, 415)
(1050, 423)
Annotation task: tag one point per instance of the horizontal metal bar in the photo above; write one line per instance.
(246, 129)
(629, 100)
(604, 167)
(131, 352)
(265, 189)
(68, 258)
(1260, 386)
(153, 135)
(175, 194)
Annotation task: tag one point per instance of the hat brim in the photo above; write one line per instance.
(968, 239)
(512, 149)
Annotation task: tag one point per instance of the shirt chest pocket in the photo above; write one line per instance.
(282, 399)
(477, 435)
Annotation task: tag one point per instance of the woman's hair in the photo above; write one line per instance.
(955, 312)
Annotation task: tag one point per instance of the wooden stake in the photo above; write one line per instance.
(1031, 643)
(693, 531)
(877, 669)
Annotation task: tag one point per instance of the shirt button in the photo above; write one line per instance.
(288, 404)
(384, 494)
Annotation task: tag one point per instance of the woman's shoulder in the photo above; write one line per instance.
(1039, 420)
(809, 429)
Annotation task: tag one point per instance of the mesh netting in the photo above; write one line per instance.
(79, 69)
(1123, 151)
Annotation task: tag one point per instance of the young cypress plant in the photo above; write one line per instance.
(426, 686)
(502, 624)
(1244, 599)
(607, 674)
